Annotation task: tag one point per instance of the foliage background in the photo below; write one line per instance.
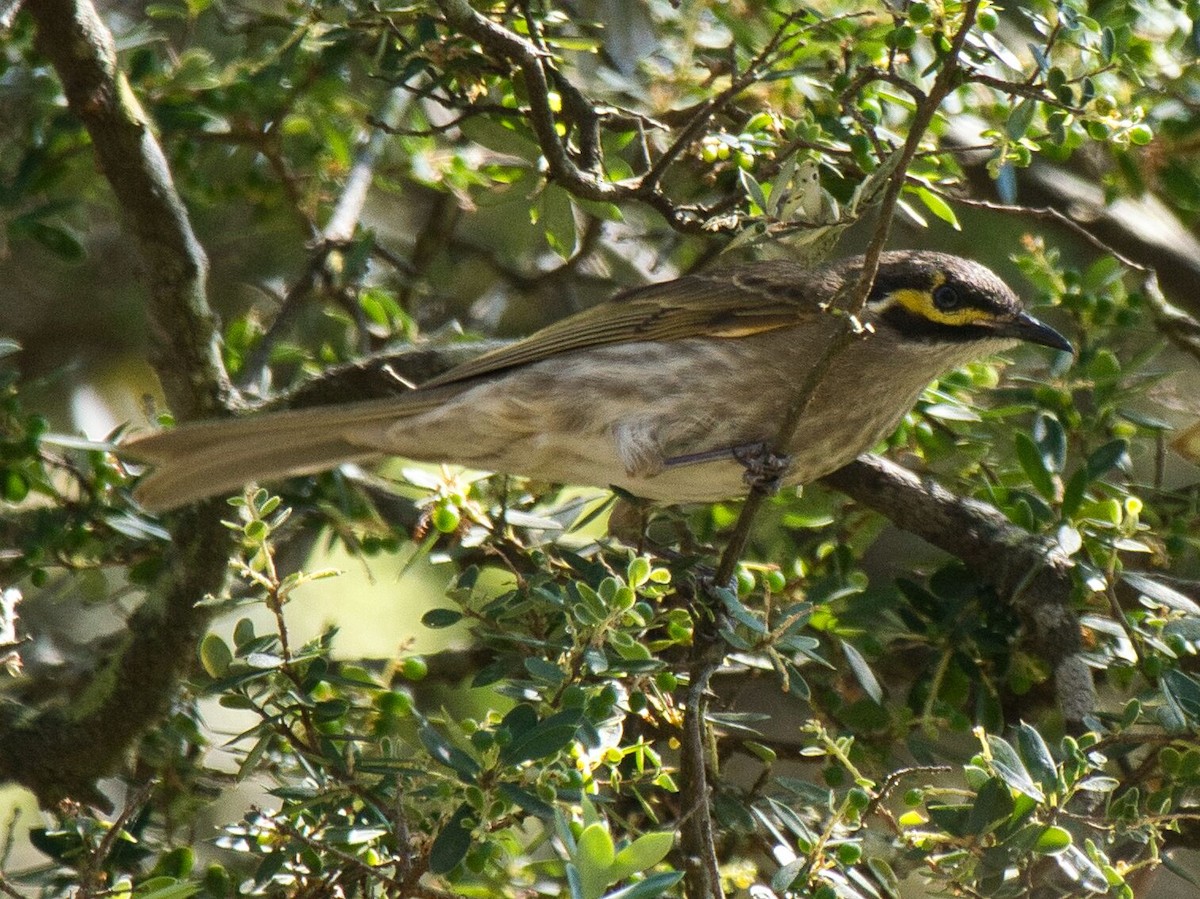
(891, 717)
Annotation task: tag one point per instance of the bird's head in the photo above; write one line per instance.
(936, 298)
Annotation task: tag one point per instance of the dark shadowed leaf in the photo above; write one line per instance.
(863, 673)
(544, 739)
(449, 755)
(451, 845)
(651, 888)
(1183, 692)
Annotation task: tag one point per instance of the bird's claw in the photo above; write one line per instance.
(765, 468)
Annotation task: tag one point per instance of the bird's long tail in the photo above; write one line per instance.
(196, 461)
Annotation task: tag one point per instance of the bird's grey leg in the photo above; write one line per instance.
(764, 468)
(713, 455)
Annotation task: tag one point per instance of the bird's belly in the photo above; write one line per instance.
(575, 442)
(620, 416)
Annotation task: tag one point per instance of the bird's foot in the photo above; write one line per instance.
(765, 468)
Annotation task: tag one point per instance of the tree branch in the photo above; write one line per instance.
(186, 352)
(1030, 572)
(506, 45)
(62, 751)
(338, 231)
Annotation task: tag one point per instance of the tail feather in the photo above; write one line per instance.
(196, 461)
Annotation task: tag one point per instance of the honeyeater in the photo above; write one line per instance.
(663, 391)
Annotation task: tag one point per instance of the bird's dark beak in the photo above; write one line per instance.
(1027, 328)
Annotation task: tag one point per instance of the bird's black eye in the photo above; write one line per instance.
(946, 298)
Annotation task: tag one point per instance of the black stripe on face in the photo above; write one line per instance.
(920, 329)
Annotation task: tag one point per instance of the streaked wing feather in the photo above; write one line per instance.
(670, 311)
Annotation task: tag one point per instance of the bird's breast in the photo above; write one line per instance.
(618, 415)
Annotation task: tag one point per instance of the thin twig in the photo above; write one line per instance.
(9, 890)
(1181, 329)
(133, 803)
(1048, 213)
(338, 231)
(852, 305)
(702, 875)
(535, 68)
(326, 849)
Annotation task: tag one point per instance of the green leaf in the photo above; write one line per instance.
(1036, 755)
(451, 845)
(743, 615)
(574, 881)
(548, 737)
(1108, 44)
(939, 207)
(1107, 457)
(1102, 273)
(628, 648)
(160, 890)
(354, 835)
(594, 855)
(885, 877)
(250, 762)
(544, 670)
(1074, 492)
(1010, 767)
(753, 190)
(992, 806)
(1160, 593)
(58, 240)
(1069, 539)
(643, 853)
(651, 888)
(1033, 463)
(439, 618)
(951, 412)
(447, 754)
(1052, 840)
(520, 720)
(863, 673)
(177, 863)
(1020, 119)
(556, 215)
(1051, 439)
(331, 709)
(496, 135)
(527, 801)
(1180, 870)
(953, 819)
(215, 655)
(1183, 692)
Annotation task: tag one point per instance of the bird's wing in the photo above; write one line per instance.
(733, 304)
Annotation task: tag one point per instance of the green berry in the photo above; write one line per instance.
(1141, 135)
(446, 519)
(414, 668)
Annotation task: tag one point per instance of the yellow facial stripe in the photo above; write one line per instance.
(920, 303)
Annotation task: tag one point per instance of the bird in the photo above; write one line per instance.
(669, 392)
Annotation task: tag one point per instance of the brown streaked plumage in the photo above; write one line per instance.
(631, 392)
